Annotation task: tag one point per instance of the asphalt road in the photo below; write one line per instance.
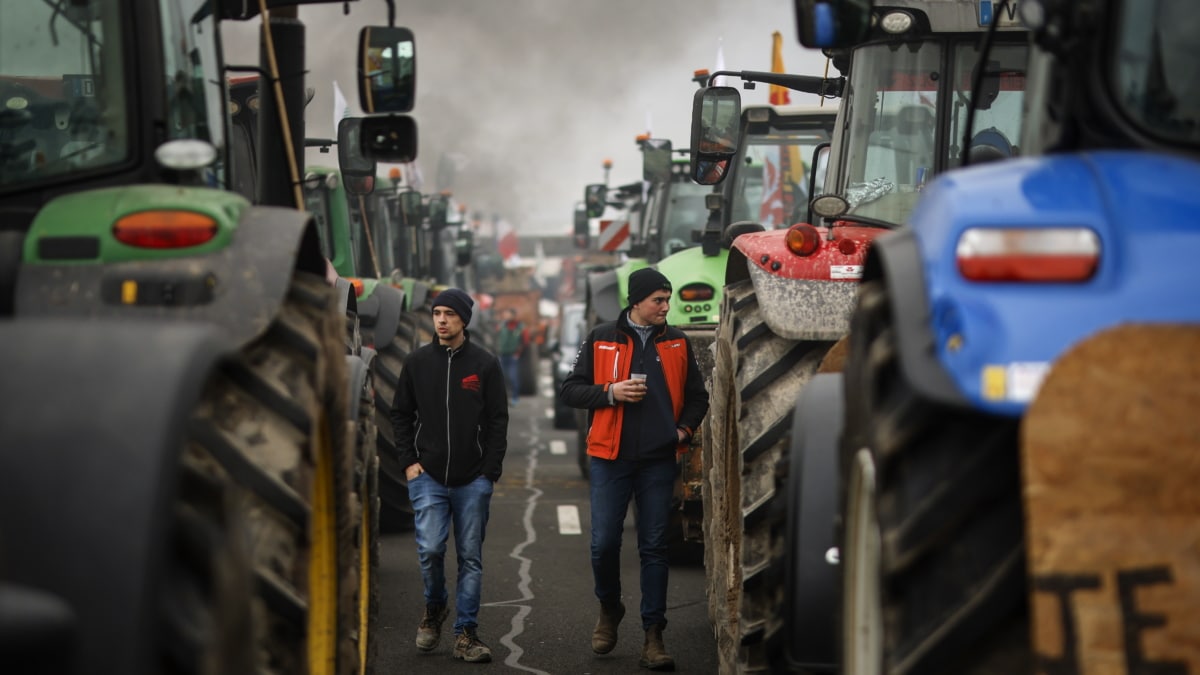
(538, 608)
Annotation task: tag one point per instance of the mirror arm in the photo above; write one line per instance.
(808, 84)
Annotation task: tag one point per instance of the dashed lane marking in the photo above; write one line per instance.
(568, 519)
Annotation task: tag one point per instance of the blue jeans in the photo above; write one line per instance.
(435, 506)
(511, 364)
(651, 483)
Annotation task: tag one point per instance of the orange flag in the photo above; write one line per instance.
(779, 95)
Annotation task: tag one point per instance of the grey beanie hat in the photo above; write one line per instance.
(644, 282)
(456, 300)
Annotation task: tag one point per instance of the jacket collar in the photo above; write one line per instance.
(625, 326)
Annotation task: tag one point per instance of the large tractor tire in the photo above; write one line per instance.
(757, 378)
(272, 424)
(397, 513)
(207, 618)
(366, 548)
(1108, 455)
(932, 556)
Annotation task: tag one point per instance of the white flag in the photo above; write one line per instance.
(341, 108)
(720, 64)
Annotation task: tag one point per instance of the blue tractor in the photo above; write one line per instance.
(1014, 426)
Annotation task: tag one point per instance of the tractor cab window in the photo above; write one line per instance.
(1154, 64)
(685, 215)
(895, 141)
(195, 103)
(772, 184)
(316, 202)
(62, 91)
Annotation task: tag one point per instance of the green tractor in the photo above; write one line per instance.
(175, 439)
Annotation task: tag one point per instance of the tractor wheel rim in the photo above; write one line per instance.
(323, 567)
(864, 602)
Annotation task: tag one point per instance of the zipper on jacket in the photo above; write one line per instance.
(478, 442)
(449, 361)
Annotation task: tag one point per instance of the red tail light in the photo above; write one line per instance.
(165, 229)
(803, 239)
(696, 292)
(1028, 255)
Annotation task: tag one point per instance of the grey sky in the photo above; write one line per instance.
(535, 94)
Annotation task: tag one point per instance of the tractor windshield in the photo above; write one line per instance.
(64, 109)
(1154, 62)
(771, 183)
(894, 141)
(377, 222)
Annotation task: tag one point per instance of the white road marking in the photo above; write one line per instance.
(568, 519)
(517, 624)
(558, 447)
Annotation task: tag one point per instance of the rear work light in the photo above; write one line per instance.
(803, 239)
(1063, 254)
(165, 229)
(696, 292)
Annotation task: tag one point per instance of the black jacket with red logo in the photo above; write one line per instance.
(451, 413)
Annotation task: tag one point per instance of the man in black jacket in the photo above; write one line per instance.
(450, 418)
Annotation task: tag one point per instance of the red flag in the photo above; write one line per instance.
(779, 95)
(506, 240)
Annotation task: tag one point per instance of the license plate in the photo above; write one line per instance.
(1008, 17)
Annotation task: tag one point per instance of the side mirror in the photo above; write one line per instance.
(439, 206)
(582, 230)
(410, 207)
(832, 24)
(351, 161)
(817, 171)
(716, 118)
(464, 244)
(656, 160)
(387, 69)
(594, 197)
(389, 138)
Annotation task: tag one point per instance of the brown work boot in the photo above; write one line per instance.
(604, 637)
(469, 648)
(430, 630)
(654, 654)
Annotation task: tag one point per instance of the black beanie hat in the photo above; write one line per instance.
(456, 300)
(644, 282)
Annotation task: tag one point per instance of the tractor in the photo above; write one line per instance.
(175, 440)
(789, 300)
(1015, 410)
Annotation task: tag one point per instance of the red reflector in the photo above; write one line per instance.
(803, 239)
(1028, 268)
(165, 229)
(847, 246)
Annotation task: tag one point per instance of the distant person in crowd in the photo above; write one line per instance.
(451, 425)
(511, 341)
(640, 380)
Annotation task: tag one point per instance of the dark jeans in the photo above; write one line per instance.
(650, 483)
(511, 363)
(435, 507)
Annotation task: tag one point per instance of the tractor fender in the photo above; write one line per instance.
(895, 259)
(357, 370)
(239, 288)
(813, 578)
(85, 506)
(417, 295)
(381, 310)
(796, 306)
(347, 301)
(603, 295)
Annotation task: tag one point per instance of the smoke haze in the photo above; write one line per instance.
(530, 96)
